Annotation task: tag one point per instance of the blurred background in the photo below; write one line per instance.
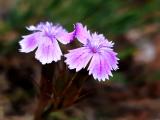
(133, 93)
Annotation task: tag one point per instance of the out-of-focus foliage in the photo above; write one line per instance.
(112, 17)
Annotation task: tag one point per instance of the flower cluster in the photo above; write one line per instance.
(96, 50)
(45, 38)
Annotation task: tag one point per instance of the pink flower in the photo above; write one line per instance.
(45, 38)
(96, 51)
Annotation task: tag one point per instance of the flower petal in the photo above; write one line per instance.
(78, 58)
(111, 57)
(29, 42)
(99, 67)
(39, 27)
(81, 33)
(100, 40)
(48, 51)
(65, 37)
(31, 28)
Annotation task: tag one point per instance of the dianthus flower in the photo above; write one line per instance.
(44, 38)
(96, 51)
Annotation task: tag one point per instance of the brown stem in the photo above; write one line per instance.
(77, 94)
(69, 84)
(80, 89)
(46, 90)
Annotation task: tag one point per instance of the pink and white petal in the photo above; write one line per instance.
(57, 51)
(107, 65)
(48, 51)
(109, 43)
(31, 28)
(58, 28)
(99, 68)
(111, 57)
(106, 43)
(81, 33)
(114, 60)
(65, 37)
(38, 27)
(98, 37)
(78, 58)
(29, 42)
